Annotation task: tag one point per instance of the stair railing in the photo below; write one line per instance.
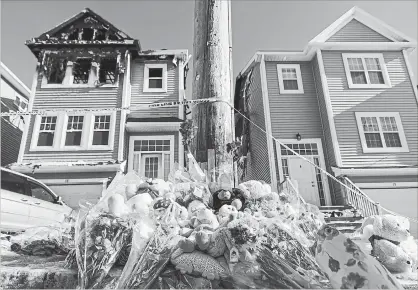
(359, 200)
(288, 186)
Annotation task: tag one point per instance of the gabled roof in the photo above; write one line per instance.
(84, 13)
(366, 19)
(399, 40)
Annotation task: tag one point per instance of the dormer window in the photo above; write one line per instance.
(155, 78)
(81, 70)
(107, 73)
(56, 70)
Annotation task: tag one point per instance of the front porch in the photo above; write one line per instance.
(154, 146)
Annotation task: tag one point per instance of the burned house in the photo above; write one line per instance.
(88, 74)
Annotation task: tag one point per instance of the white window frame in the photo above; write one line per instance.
(384, 149)
(110, 145)
(132, 153)
(382, 64)
(36, 130)
(61, 130)
(299, 78)
(146, 88)
(83, 132)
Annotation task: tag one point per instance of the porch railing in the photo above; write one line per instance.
(287, 186)
(358, 199)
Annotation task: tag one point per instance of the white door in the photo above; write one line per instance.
(44, 210)
(151, 166)
(14, 202)
(304, 174)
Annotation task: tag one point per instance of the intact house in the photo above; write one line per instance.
(14, 98)
(347, 103)
(89, 65)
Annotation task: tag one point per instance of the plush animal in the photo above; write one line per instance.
(140, 204)
(198, 263)
(254, 189)
(226, 214)
(386, 233)
(235, 197)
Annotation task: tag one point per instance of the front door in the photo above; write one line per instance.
(311, 182)
(304, 174)
(151, 166)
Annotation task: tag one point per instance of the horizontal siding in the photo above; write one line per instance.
(329, 153)
(10, 142)
(345, 102)
(139, 97)
(75, 98)
(293, 113)
(356, 31)
(72, 156)
(258, 162)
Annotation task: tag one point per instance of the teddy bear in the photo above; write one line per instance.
(234, 197)
(386, 234)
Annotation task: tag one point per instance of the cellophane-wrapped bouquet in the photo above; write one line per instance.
(102, 231)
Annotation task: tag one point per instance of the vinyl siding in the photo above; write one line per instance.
(293, 113)
(345, 102)
(75, 98)
(258, 158)
(356, 31)
(329, 153)
(139, 97)
(10, 142)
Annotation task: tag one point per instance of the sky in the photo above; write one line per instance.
(256, 25)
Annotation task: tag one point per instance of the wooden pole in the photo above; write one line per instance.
(212, 79)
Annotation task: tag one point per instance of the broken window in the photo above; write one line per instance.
(107, 73)
(81, 69)
(56, 70)
(100, 34)
(73, 35)
(87, 33)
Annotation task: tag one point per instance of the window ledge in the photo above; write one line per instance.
(386, 150)
(291, 92)
(361, 86)
(60, 86)
(146, 90)
(69, 149)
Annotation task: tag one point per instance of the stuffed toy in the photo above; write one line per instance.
(253, 189)
(386, 233)
(234, 197)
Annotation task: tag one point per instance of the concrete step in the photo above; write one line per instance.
(343, 218)
(330, 208)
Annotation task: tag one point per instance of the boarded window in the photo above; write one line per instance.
(81, 70)
(107, 73)
(47, 131)
(87, 34)
(56, 70)
(101, 130)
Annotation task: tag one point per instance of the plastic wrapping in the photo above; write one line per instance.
(43, 241)
(141, 273)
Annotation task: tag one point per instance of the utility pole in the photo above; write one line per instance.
(212, 73)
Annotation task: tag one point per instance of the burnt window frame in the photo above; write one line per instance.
(85, 80)
(53, 63)
(107, 71)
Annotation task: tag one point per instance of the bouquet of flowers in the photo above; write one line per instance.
(145, 263)
(99, 244)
